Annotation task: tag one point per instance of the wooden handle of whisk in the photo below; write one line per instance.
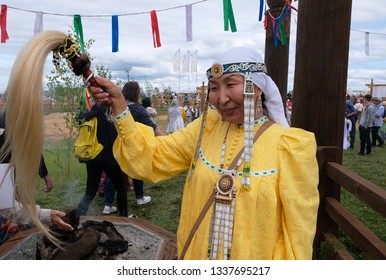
(89, 79)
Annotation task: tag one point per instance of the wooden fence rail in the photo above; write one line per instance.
(333, 215)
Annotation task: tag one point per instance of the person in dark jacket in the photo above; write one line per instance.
(104, 161)
(131, 91)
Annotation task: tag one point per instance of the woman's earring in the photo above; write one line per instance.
(259, 109)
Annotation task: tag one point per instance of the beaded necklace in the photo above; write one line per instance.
(249, 118)
(221, 224)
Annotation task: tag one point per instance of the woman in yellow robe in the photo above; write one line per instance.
(275, 213)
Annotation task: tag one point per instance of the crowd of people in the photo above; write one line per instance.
(365, 114)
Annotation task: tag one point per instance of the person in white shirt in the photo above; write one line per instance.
(148, 104)
(358, 107)
(189, 110)
(347, 129)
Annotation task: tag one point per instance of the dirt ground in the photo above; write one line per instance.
(55, 127)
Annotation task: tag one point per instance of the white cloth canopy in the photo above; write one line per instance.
(379, 91)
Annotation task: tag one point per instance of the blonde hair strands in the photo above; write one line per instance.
(24, 118)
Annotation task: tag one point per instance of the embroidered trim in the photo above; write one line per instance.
(219, 170)
(263, 119)
(124, 114)
(217, 70)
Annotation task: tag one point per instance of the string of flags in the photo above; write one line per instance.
(114, 24)
(229, 23)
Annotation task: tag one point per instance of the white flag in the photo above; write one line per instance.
(193, 62)
(189, 32)
(185, 62)
(38, 23)
(367, 51)
(176, 61)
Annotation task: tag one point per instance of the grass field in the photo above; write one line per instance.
(164, 209)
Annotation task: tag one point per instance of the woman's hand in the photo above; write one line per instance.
(56, 218)
(107, 92)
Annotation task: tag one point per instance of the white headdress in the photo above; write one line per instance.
(242, 60)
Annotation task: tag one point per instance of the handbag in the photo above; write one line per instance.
(86, 145)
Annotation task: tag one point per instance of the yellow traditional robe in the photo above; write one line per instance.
(276, 219)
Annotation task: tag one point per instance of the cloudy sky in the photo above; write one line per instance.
(154, 65)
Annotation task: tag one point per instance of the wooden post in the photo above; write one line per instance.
(202, 97)
(322, 47)
(276, 57)
(371, 85)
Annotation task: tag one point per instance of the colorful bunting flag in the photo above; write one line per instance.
(189, 32)
(155, 29)
(38, 23)
(262, 7)
(367, 47)
(79, 31)
(115, 33)
(229, 18)
(3, 23)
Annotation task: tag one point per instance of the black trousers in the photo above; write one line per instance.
(375, 136)
(352, 134)
(94, 172)
(364, 135)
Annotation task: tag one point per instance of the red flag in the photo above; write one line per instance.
(3, 23)
(288, 2)
(155, 30)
